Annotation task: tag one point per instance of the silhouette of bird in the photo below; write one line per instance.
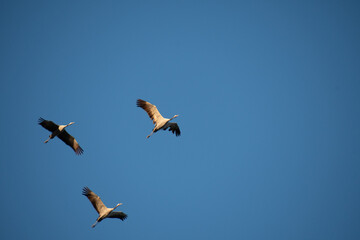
(100, 207)
(159, 121)
(60, 132)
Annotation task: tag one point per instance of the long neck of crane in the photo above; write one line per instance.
(62, 127)
(116, 206)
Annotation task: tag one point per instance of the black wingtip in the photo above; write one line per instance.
(79, 151)
(40, 120)
(85, 191)
(140, 103)
(175, 131)
(125, 217)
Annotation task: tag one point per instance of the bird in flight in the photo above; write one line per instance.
(100, 207)
(159, 121)
(60, 132)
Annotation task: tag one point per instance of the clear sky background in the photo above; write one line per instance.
(268, 94)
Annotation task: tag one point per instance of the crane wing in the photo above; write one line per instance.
(119, 215)
(95, 200)
(151, 110)
(174, 128)
(49, 125)
(71, 141)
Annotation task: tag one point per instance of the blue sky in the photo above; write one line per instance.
(268, 98)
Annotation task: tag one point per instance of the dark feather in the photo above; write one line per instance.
(49, 125)
(119, 215)
(71, 141)
(174, 128)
